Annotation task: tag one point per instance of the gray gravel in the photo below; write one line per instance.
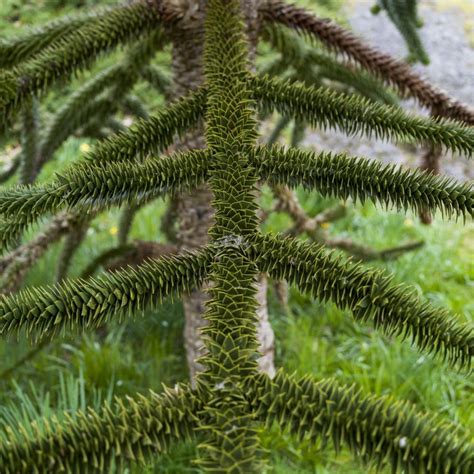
(451, 68)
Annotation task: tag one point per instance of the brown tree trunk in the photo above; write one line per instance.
(193, 211)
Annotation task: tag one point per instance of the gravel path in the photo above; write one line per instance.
(451, 68)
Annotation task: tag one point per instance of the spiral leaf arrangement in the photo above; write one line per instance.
(231, 402)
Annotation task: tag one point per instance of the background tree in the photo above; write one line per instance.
(230, 397)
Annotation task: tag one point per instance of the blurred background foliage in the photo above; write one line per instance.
(315, 338)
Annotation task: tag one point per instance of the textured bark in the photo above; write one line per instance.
(430, 163)
(72, 242)
(193, 211)
(397, 73)
(15, 265)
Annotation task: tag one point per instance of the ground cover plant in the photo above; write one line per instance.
(232, 401)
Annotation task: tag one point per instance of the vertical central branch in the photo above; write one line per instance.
(231, 439)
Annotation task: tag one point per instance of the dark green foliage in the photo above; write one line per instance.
(97, 186)
(369, 294)
(97, 98)
(154, 134)
(15, 51)
(231, 401)
(87, 304)
(79, 107)
(380, 430)
(29, 141)
(126, 432)
(343, 176)
(59, 61)
(325, 108)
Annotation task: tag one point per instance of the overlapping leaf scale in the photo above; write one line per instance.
(73, 52)
(230, 441)
(369, 294)
(322, 107)
(342, 176)
(86, 304)
(128, 431)
(379, 430)
(230, 436)
(101, 185)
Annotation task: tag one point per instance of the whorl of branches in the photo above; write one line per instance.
(231, 399)
(92, 186)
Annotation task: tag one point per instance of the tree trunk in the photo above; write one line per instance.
(193, 210)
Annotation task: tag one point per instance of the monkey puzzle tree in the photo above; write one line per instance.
(232, 401)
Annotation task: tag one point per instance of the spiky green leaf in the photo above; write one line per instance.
(75, 51)
(342, 176)
(379, 430)
(369, 294)
(324, 108)
(121, 434)
(87, 304)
